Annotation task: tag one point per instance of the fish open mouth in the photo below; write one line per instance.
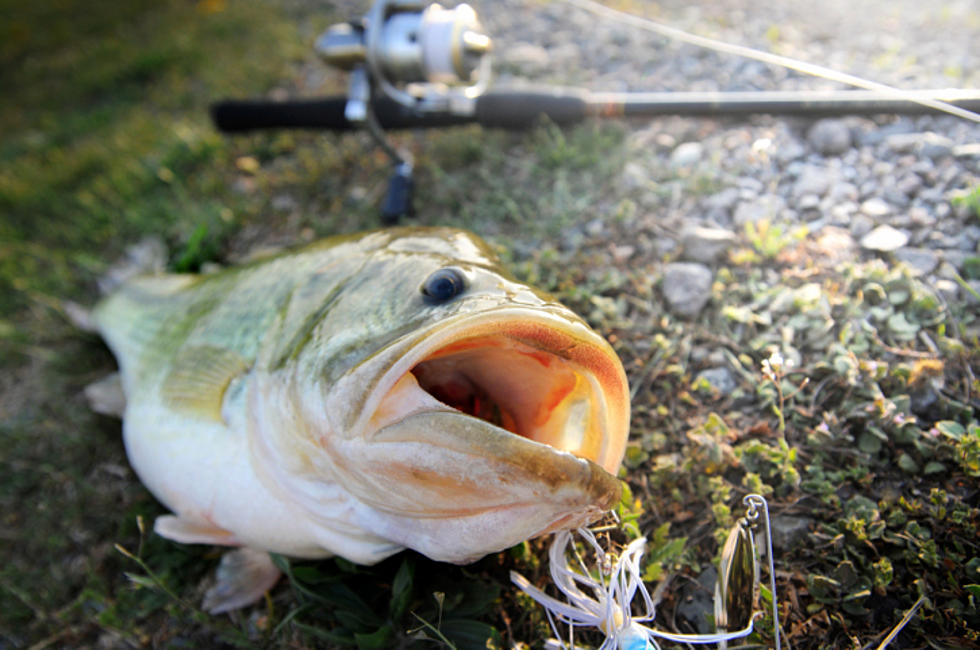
(529, 392)
(534, 380)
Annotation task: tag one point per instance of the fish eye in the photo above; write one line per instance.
(444, 284)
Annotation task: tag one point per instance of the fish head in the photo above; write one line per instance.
(468, 413)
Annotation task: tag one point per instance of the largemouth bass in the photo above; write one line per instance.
(365, 394)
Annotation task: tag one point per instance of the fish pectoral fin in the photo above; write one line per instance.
(106, 396)
(186, 531)
(243, 576)
(198, 379)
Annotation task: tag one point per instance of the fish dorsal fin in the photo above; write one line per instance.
(198, 379)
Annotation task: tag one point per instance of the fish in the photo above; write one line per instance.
(362, 395)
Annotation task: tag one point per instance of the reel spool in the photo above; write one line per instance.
(424, 57)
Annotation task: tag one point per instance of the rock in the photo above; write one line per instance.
(687, 287)
(106, 396)
(835, 245)
(885, 239)
(789, 531)
(790, 149)
(861, 225)
(875, 207)
(909, 185)
(876, 136)
(924, 401)
(635, 176)
(721, 379)
(595, 227)
(724, 200)
(718, 207)
(769, 206)
(706, 245)
(528, 57)
(80, 317)
(686, 154)
(971, 237)
(937, 149)
(971, 150)
(813, 179)
(956, 260)
(949, 289)
(843, 192)
(143, 258)
(808, 202)
(749, 186)
(830, 137)
(971, 296)
(919, 260)
(928, 144)
(695, 602)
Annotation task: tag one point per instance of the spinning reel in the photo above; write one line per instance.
(427, 59)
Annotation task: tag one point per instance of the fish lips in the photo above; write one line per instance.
(468, 466)
(459, 488)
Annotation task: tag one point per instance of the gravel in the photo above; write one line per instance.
(887, 181)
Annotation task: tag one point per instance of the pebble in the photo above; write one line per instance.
(955, 259)
(717, 208)
(835, 245)
(706, 245)
(919, 260)
(971, 296)
(791, 149)
(284, 203)
(885, 239)
(830, 137)
(789, 531)
(928, 144)
(861, 225)
(146, 257)
(949, 289)
(686, 154)
(769, 206)
(970, 150)
(687, 287)
(813, 179)
(635, 176)
(695, 602)
(875, 207)
(808, 202)
(528, 57)
(721, 379)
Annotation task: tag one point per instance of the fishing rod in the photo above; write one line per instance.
(521, 108)
(414, 65)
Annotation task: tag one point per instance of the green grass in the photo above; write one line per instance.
(104, 139)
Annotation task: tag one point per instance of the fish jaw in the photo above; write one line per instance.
(457, 488)
(434, 473)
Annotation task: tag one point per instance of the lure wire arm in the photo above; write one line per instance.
(754, 503)
(608, 606)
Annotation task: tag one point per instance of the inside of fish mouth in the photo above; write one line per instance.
(530, 392)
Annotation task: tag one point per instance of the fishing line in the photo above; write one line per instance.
(804, 67)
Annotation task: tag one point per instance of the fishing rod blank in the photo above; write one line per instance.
(522, 108)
